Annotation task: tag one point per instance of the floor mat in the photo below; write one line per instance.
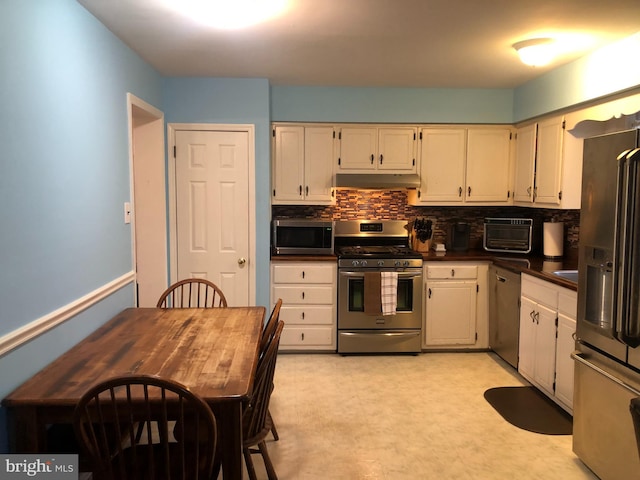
(529, 409)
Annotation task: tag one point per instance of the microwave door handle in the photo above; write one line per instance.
(628, 256)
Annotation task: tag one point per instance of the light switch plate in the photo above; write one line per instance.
(127, 212)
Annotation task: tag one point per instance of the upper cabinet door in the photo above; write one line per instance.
(442, 159)
(358, 148)
(488, 165)
(288, 163)
(396, 149)
(318, 164)
(549, 161)
(525, 164)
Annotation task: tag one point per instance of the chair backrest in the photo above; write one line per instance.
(635, 415)
(254, 421)
(270, 326)
(107, 417)
(192, 293)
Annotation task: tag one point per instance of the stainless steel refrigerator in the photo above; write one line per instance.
(607, 357)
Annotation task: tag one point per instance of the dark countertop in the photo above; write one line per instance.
(534, 265)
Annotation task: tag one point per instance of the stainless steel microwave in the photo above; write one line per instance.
(513, 235)
(302, 237)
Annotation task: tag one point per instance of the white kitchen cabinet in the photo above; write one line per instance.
(547, 325)
(548, 165)
(525, 164)
(456, 307)
(442, 157)
(308, 293)
(302, 172)
(464, 165)
(377, 149)
(488, 175)
(537, 347)
(567, 314)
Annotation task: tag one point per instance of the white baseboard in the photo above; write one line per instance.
(31, 330)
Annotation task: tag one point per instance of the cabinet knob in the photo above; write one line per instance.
(242, 261)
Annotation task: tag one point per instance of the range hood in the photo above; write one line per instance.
(377, 180)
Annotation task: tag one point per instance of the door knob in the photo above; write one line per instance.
(242, 261)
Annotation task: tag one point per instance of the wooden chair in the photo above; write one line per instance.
(107, 416)
(267, 335)
(256, 423)
(634, 406)
(192, 293)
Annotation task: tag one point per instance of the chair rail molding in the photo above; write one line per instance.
(21, 335)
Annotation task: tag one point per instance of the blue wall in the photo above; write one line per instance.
(64, 172)
(391, 105)
(225, 100)
(611, 69)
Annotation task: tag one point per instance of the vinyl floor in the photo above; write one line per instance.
(404, 417)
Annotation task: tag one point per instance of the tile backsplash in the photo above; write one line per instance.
(392, 205)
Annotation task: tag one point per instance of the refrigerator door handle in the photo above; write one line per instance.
(577, 356)
(626, 255)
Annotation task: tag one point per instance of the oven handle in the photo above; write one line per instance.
(385, 334)
(403, 274)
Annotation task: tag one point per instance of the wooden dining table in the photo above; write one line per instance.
(212, 351)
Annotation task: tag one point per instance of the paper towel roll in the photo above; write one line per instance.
(553, 239)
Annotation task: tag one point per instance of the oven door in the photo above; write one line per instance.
(351, 302)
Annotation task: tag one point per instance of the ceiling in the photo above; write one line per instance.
(377, 43)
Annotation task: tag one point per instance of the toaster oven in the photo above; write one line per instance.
(508, 235)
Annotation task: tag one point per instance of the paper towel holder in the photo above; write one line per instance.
(553, 240)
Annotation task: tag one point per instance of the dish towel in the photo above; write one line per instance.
(389, 292)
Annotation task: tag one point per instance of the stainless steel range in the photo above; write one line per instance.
(370, 255)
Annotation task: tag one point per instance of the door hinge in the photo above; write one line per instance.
(174, 151)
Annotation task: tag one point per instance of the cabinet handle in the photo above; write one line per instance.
(380, 159)
(453, 272)
(429, 293)
(469, 191)
(306, 190)
(459, 191)
(532, 316)
(302, 315)
(537, 318)
(529, 192)
(300, 190)
(372, 159)
(302, 337)
(303, 295)
(303, 274)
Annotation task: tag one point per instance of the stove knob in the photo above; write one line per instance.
(406, 263)
(363, 263)
(381, 263)
(396, 263)
(355, 263)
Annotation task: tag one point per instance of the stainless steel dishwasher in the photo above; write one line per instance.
(504, 313)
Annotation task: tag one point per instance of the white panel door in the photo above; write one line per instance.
(212, 209)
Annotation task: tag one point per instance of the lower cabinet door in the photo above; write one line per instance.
(300, 337)
(451, 313)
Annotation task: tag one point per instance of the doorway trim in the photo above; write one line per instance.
(146, 143)
(172, 128)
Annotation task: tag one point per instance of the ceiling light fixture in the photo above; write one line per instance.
(229, 14)
(536, 51)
